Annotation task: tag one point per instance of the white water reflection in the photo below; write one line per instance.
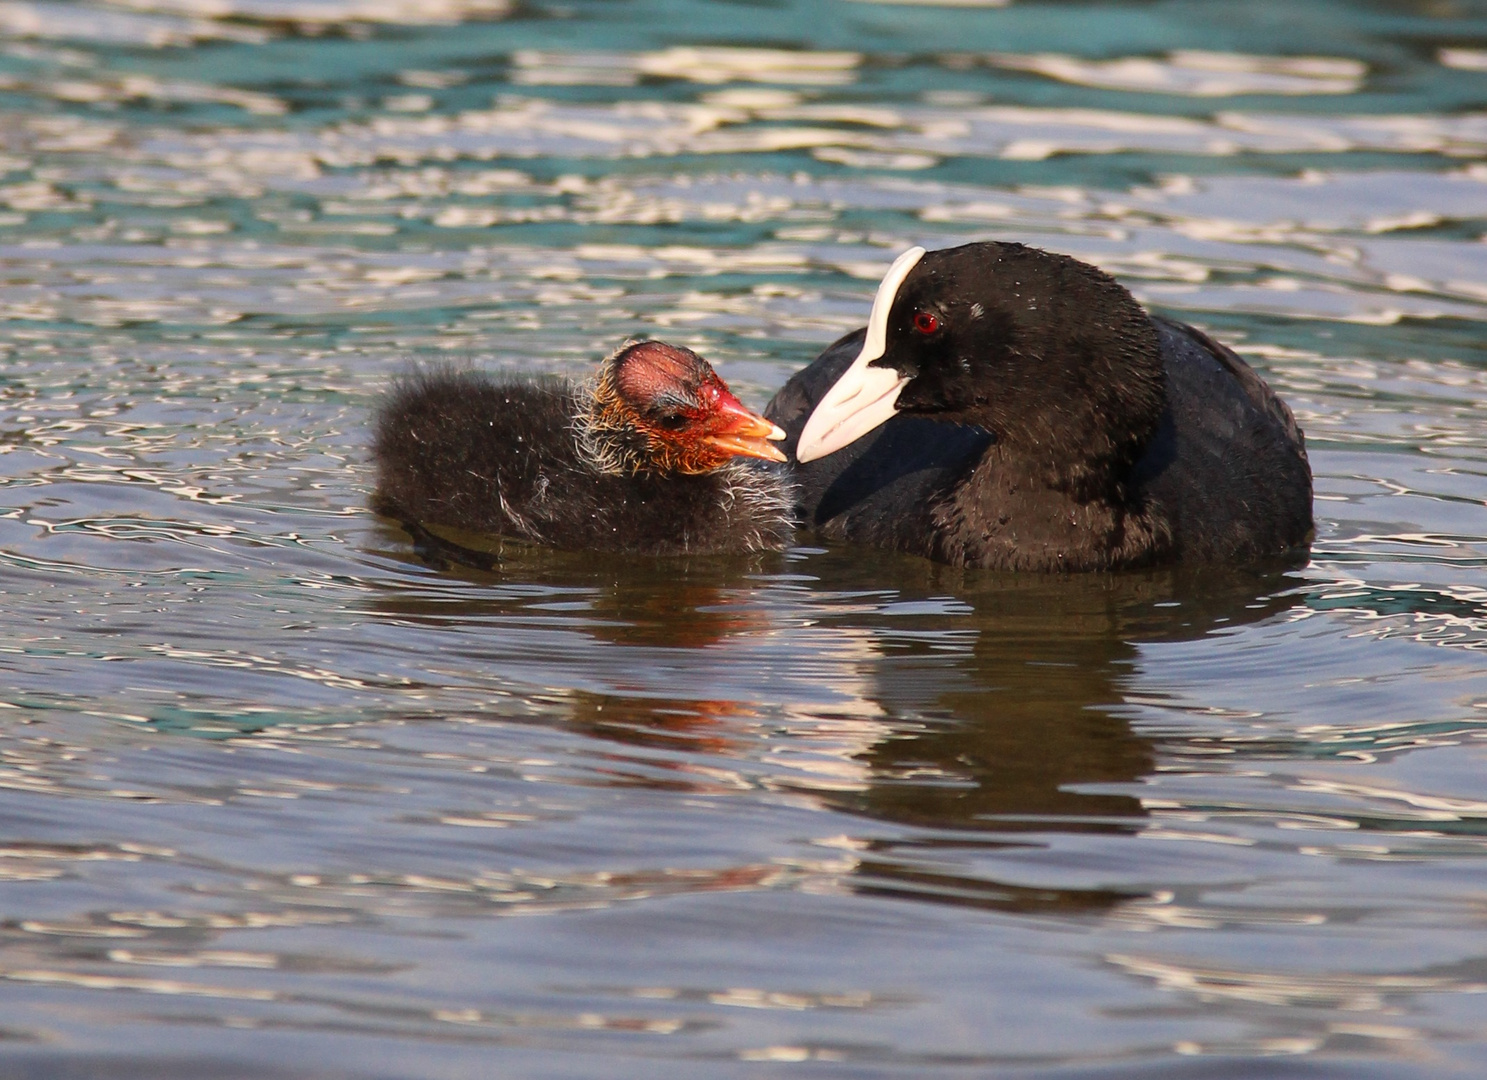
(329, 12)
(1199, 73)
(74, 22)
(698, 64)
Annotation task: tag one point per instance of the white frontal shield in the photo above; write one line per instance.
(864, 396)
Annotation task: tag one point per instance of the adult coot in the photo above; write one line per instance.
(1016, 409)
(645, 458)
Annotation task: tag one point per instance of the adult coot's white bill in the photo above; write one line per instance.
(646, 458)
(1012, 408)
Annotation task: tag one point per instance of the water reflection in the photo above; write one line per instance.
(982, 710)
(272, 785)
(672, 603)
(1035, 718)
(1028, 734)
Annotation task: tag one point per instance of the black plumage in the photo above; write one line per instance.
(1017, 409)
(582, 466)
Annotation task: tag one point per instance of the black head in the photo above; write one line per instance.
(1047, 353)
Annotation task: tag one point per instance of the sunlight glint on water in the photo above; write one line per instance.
(281, 800)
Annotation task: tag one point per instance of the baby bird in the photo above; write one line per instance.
(650, 457)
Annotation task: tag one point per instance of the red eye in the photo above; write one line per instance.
(925, 323)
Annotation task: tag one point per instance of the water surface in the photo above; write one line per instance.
(280, 798)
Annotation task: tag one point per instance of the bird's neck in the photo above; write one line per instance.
(605, 440)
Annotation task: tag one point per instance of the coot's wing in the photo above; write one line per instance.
(1228, 464)
(877, 490)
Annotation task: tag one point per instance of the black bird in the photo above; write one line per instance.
(1016, 409)
(645, 458)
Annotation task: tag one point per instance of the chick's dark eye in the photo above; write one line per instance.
(926, 323)
(671, 421)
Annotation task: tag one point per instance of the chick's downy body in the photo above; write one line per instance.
(649, 458)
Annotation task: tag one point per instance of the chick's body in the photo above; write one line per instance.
(551, 462)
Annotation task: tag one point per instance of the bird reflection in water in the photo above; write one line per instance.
(1025, 733)
(983, 708)
(670, 601)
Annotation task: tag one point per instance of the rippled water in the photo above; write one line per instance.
(279, 799)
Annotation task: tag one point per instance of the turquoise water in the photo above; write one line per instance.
(280, 800)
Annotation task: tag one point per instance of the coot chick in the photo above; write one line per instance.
(645, 458)
(1016, 409)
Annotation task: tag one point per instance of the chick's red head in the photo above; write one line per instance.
(690, 420)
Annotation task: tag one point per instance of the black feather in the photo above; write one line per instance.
(465, 450)
(1052, 424)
